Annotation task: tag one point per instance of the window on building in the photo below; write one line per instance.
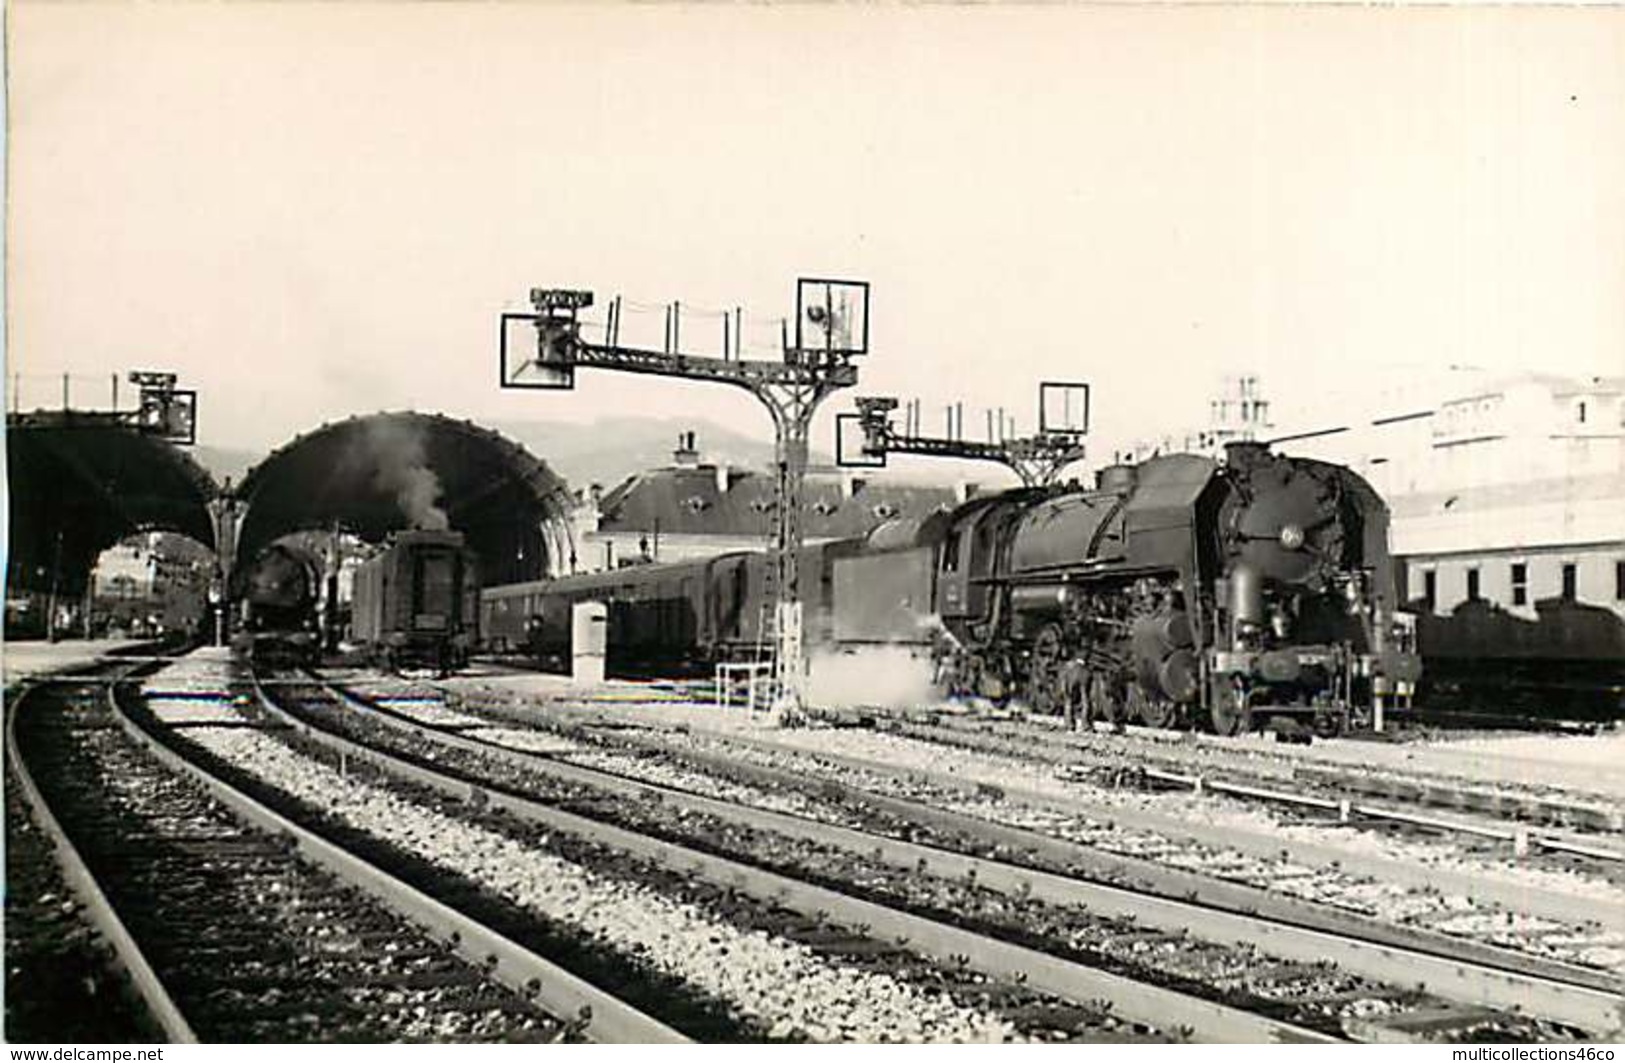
(1430, 589)
(1520, 584)
(1472, 585)
(1582, 412)
(1619, 581)
(1571, 579)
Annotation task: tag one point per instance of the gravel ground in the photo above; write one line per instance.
(1037, 777)
(1207, 808)
(783, 985)
(1314, 995)
(1390, 902)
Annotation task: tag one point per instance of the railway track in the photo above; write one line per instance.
(487, 862)
(1449, 906)
(1307, 797)
(1023, 987)
(235, 924)
(967, 887)
(77, 989)
(1556, 818)
(1313, 857)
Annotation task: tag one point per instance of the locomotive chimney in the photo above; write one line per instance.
(686, 455)
(1115, 478)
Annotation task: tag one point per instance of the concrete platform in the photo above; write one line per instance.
(21, 660)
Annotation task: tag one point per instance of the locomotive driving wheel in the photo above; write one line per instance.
(1151, 710)
(1103, 701)
(1328, 723)
(1232, 712)
(1045, 693)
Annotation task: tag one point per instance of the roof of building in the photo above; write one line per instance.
(692, 500)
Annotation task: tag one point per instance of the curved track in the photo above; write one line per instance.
(1481, 987)
(239, 925)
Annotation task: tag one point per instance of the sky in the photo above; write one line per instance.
(313, 211)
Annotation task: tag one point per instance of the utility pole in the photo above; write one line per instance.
(832, 328)
(1063, 421)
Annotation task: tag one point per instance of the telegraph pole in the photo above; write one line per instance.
(1063, 421)
(832, 328)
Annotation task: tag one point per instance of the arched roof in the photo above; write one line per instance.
(80, 482)
(382, 472)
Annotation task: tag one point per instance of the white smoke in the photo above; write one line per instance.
(893, 677)
(401, 468)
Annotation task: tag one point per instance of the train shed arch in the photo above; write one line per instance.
(80, 482)
(379, 473)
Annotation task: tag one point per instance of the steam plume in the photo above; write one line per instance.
(402, 469)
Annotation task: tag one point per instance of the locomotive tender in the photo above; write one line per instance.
(1181, 590)
(414, 604)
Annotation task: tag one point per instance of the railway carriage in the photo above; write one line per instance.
(663, 618)
(415, 603)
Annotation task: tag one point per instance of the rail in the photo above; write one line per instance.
(1455, 975)
(79, 878)
(605, 1018)
(1160, 1007)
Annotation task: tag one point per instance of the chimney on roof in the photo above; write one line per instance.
(724, 475)
(686, 456)
(965, 490)
(853, 485)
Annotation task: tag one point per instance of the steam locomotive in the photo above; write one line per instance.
(279, 603)
(414, 603)
(1179, 590)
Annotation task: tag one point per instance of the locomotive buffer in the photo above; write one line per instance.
(832, 328)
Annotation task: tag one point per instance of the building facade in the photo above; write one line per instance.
(1509, 491)
(694, 508)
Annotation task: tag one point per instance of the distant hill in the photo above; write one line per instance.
(222, 462)
(610, 449)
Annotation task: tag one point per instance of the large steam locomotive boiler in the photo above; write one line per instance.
(1179, 589)
(415, 603)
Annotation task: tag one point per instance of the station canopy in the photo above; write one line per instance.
(385, 472)
(80, 482)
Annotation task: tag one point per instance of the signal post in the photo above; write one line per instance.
(865, 439)
(832, 328)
